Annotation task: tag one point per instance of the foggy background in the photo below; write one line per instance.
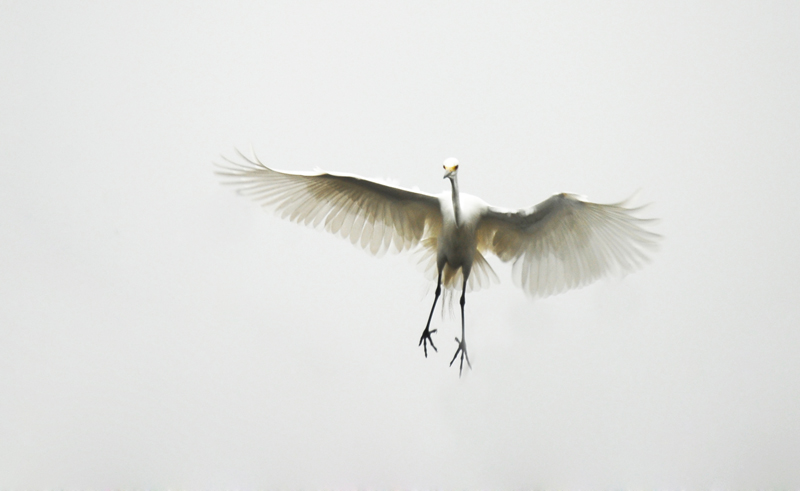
(157, 330)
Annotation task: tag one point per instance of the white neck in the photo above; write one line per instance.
(456, 202)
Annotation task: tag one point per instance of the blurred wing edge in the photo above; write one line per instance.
(372, 215)
(565, 242)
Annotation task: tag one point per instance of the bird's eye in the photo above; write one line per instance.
(444, 167)
(455, 167)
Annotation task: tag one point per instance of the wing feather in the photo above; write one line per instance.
(368, 213)
(565, 242)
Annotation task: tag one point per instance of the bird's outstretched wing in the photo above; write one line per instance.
(370, 214)
(565, 243)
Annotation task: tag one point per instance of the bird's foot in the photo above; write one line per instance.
(462, 348)
(425, 339)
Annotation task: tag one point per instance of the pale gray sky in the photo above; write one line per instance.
(157, 330)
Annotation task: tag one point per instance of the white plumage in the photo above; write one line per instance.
(559, 244)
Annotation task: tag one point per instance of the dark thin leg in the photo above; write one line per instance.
(462, 343)
(426, 334)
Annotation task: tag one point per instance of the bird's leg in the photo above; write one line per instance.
(462, 343)
(426, 334)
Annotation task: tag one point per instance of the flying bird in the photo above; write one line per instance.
(562, 243)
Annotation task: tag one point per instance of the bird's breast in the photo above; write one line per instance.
(458, 238)
(457, 244)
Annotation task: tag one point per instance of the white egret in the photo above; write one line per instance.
(559, 244)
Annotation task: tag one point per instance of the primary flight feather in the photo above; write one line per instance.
(559, 244)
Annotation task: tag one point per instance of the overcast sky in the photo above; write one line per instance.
(158, 330)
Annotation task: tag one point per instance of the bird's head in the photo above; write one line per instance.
(450, 168)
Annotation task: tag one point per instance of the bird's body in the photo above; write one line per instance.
(562, 243)
(457, 243)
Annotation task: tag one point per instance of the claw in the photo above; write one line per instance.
(462, 348)
(425, 339)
